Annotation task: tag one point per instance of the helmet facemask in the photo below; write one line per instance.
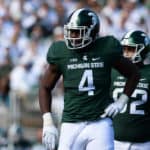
(137, 56)
(82, 40)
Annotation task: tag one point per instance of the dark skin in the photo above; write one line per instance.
(48, 81)
(51, 76)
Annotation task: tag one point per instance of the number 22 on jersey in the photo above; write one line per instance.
(134, 104)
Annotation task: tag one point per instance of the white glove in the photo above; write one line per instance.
(50, 132)
(113, 109)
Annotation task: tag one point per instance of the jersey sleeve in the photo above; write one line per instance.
(111, 48)
(117, 50)
(51, 54)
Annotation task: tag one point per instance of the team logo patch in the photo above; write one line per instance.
(85, 58)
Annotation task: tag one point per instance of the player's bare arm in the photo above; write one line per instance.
(48, 82)
(130, 71)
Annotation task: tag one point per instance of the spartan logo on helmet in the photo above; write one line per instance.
(81, 29)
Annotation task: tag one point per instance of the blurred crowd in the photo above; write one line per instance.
(28, 27)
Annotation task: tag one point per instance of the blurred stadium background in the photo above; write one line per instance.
(27, 29)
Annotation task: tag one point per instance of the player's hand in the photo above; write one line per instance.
(50, 132)
(113, 109)
(50, 137)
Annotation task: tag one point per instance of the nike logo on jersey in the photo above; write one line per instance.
(120, 78)
(143, 79)
(96, 58)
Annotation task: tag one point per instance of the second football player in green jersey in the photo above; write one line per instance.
(132, 124)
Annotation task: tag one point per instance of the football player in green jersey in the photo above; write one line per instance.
(132, 124)
(85, 61)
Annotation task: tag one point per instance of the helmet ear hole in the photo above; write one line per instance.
(85, 22)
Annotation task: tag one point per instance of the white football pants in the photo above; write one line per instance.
(97, 135)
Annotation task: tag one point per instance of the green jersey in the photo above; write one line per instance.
(133, 123)
(86, 77)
